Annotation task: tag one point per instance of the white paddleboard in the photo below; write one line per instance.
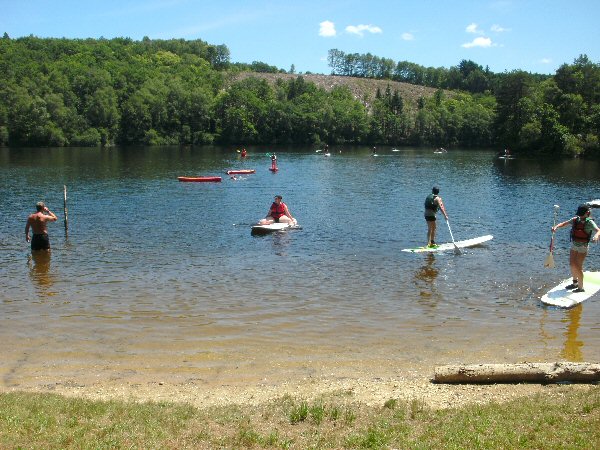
(450, 246)
(277, 226)
(559, 296)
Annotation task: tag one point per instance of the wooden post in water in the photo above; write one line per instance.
(66, 211)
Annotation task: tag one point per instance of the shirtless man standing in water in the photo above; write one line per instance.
(37, 223)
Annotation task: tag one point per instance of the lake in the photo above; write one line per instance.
(163, 279)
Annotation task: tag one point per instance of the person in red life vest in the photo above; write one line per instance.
(433, 204)
(278, 212)
(582, 232)
(273, 161)
(243, 153)
(37, 222)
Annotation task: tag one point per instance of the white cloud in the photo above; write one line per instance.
(408, 37)
(327, 29)
(498, 29)
(472, 28)
(545, 60)
(481, 41)
(360, 29)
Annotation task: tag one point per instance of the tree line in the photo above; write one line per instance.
(91, 92)
(556, 114)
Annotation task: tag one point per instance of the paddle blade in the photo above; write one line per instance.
(457, 250)
(549, 262)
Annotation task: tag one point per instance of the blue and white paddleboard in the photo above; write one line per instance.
(450, 246)
(559, 296)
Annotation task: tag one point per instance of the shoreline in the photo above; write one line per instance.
(352, 387)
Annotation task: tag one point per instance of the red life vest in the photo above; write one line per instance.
(277, 211)
(578, 233)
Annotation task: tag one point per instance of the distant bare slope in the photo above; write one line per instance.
(363, 89)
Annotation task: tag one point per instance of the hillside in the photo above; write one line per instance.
(363, 89)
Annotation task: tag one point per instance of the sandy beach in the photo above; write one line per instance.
(347, 384)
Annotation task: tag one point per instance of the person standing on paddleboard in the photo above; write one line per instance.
(582, 229)
(433, 203)
(278, 213)
(273, 161)
(37, 222)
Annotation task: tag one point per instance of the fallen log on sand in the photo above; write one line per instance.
(518, 373)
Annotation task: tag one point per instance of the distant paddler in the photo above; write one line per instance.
(278, 213)
(243, 154)
(583, 230)
(37, 222)
(274, 162)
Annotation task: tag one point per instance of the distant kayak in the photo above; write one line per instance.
(594, 203)
(273, 169)
(240, 172)
(200, 179)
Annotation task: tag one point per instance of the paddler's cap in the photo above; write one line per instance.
(582, 210)
(279, 197)
(435, 190)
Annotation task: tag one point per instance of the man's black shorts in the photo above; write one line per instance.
(40, 242)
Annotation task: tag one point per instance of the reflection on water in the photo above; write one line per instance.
(573, 345)
(40, 273)
(428, 272)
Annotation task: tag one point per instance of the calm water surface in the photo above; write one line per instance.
(161, 278)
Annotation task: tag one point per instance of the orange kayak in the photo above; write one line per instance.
(200, 179)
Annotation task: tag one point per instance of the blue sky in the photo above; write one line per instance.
(532, 35)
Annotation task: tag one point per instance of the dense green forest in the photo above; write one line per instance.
(90, 92)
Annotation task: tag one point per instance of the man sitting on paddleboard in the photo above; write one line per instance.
(582, 229)
(433, 203)
(278, 213)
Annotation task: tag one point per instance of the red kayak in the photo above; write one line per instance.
(200, 179)
(240, 172)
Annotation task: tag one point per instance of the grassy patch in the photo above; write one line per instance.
(567, 419)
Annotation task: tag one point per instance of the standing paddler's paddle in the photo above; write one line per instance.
(456, 249)
(549, 262)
